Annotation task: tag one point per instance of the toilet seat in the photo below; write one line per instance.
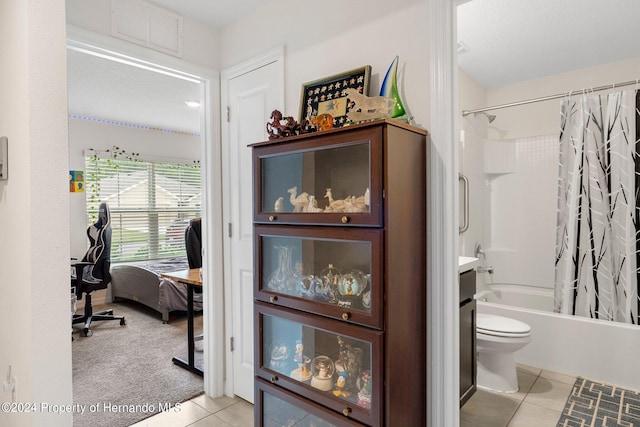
(499, 326)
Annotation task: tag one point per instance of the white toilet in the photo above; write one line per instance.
(497, 339)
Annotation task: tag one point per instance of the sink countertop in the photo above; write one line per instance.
(466, 263)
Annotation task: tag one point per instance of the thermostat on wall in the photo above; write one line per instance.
(4, 142)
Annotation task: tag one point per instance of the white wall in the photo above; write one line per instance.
(34, 230)
(322, 39)
(519, 210)
(200, 43)
(474, 131)
(151, 144)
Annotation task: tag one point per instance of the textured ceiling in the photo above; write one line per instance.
(516, 40)
(507, 41)
(113, 91)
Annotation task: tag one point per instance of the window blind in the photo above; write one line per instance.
(151, 204)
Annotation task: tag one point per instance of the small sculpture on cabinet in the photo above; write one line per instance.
(312, 207)
(303, 371)
(340, 389)
(278, 206)
(364, 394)
(322, 370)
(334, 205)
(329, 278)
(322, 122)
(279, 353)
(368, 107)
(299, 202)
(277, 130)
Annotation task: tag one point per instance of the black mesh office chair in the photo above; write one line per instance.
(193, 243)
(92, 273)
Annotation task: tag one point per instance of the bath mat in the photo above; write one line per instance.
(600, 405)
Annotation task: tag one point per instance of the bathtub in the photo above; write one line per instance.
(594, 349)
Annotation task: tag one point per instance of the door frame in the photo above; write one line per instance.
(210, 150)
(443, 344)
(259, 61)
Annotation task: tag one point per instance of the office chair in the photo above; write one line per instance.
(193, 245)
(92, 273)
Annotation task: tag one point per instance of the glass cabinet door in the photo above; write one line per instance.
(335, 365)
(333, 179)
(335, 272)
(276, 407)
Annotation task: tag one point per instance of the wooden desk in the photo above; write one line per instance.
(191, 278)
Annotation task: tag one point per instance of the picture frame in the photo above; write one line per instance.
(326, 95)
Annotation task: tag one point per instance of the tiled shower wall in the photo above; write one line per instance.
(520, 209)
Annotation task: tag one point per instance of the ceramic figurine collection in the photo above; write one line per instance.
(307, 203)
(344, 377)
(348, 289)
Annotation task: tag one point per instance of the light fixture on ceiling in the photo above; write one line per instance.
(192, 104)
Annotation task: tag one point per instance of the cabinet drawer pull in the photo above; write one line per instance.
(345, 219)
(274, 379)
(346, 316)
(346, 412)
(272, 218)
(273, 298)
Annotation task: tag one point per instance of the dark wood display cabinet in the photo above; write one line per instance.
(340, 277)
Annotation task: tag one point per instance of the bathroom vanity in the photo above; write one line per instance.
(339, 277)
(468, 359)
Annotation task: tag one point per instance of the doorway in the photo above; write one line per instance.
(208, 96)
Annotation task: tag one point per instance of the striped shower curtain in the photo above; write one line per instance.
(597, 240)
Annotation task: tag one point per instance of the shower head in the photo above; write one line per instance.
(490, 117)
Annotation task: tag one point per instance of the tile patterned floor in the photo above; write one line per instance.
(539, 403)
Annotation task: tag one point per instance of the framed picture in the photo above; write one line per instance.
(326, 96)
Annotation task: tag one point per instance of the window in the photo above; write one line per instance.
(151, 203)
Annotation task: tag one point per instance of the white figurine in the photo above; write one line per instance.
(368, 107)
(313, 205)
(298, 202)
(278, 206)
(334, 205)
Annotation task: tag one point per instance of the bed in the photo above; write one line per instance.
(142, 283)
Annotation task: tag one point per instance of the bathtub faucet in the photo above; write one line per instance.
(479, 251)
(485, 270)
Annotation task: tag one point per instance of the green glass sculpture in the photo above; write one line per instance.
(389, 89)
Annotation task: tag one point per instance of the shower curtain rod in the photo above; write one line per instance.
(465, 113)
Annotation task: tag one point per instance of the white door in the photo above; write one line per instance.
(252, 94)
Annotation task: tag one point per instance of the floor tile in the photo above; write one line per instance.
(187, 414)
(549, 394)
(239, 414)
(214, 405)
(529, 415)
(210, 421)
(528, 369)
(563, 378)
(525, 382)
(486, 409)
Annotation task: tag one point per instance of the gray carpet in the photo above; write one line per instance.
(598, 405)
(123, 374)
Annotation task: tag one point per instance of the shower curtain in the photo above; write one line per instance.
(597, 237)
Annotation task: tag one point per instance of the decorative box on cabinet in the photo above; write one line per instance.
(342, 279)
(468, 353)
